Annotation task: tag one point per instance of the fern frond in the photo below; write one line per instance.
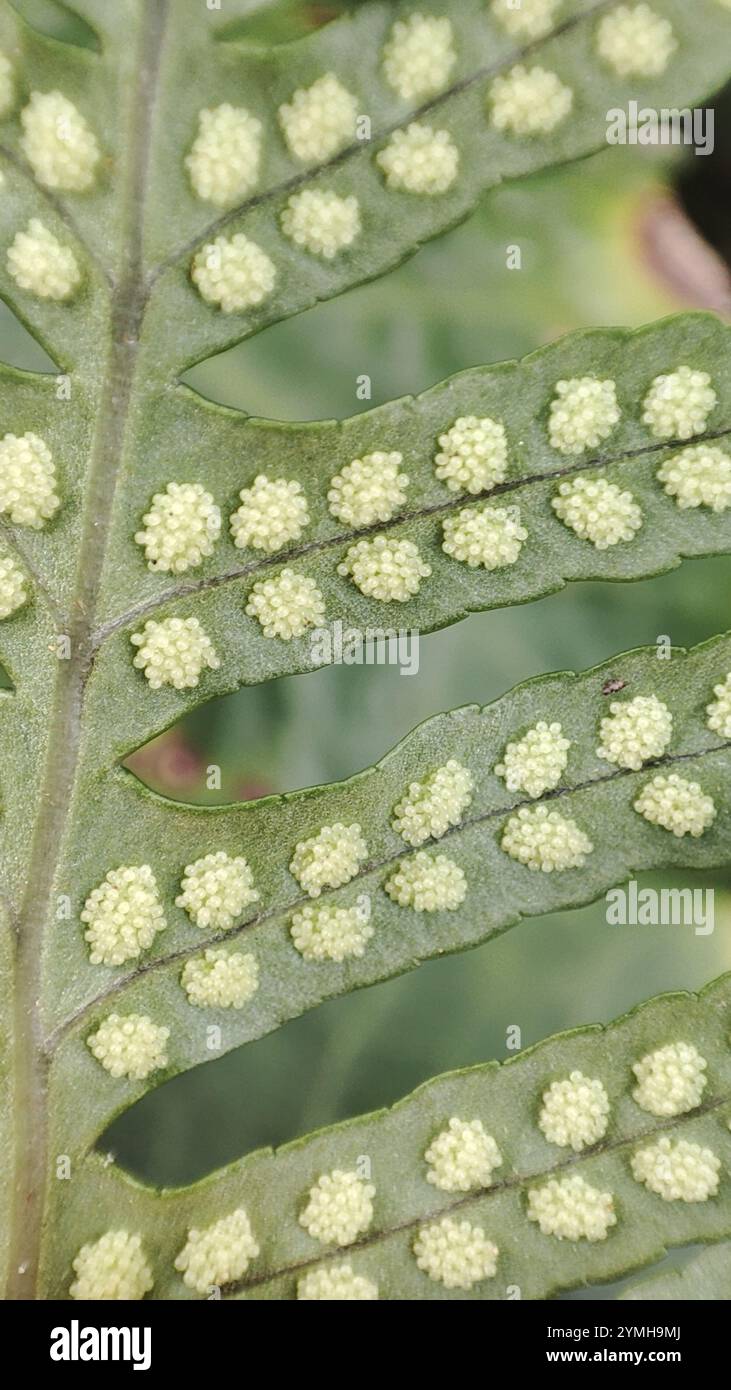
(130, 248)
(511, 1252)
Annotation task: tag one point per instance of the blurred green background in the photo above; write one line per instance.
(608, 241)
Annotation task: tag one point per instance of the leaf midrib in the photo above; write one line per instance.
(116, 388)
(274, 914)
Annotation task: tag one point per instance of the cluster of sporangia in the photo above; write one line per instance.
(223, 166)
(124, 914)
(184, 522)
(224, 163)
(338, 1210)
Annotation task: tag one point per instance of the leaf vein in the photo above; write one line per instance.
(273, 914)
(436, 509)
(434, 103)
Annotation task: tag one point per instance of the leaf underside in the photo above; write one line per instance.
(500, 891)
(506, 1098)
(168, 835)
(127, 427)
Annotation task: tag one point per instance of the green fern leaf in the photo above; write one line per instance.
(398, 1191)
(111, 221)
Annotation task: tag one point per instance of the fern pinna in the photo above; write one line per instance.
(169, 188)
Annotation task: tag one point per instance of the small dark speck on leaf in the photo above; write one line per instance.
(611, 687)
